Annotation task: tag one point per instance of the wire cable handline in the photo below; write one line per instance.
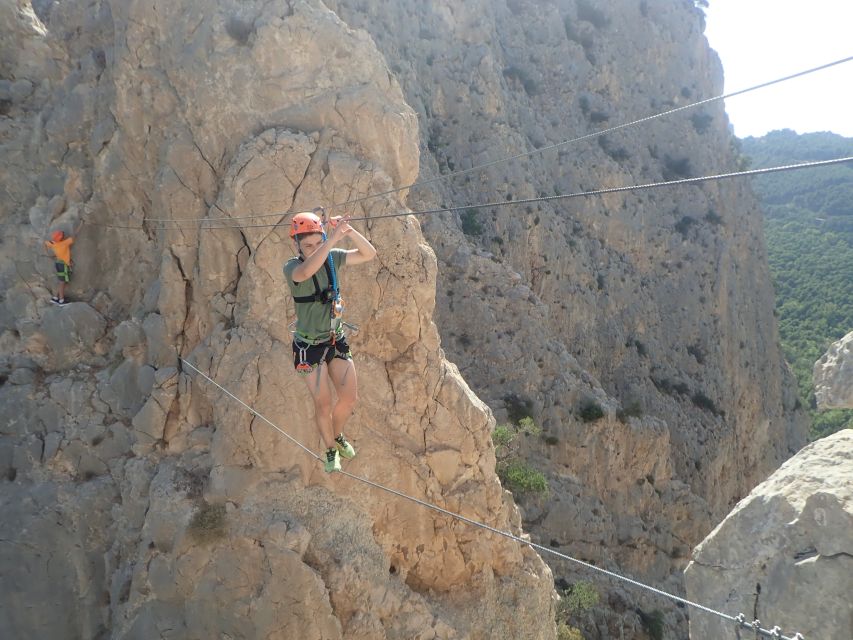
(739, 620)
(578, 194)
(588, 136)
(447, 176)
(637, 187)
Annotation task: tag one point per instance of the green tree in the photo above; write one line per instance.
(808, 225)
(515, 474)
(579, 597)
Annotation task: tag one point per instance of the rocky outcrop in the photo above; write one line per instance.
(833, 376)
(141, 501)
(785, 554)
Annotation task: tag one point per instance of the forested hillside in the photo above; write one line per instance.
(809, 230)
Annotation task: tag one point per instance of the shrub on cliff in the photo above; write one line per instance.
(515, 474)
(208, 523)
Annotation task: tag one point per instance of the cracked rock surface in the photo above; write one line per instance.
(785, 554)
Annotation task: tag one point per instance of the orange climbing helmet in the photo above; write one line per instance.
(305, 223)
(56, 236)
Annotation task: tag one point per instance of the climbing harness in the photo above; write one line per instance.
(348, 328)
(324, 296)
(63, 270)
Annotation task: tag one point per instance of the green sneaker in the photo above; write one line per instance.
(344, 447)
(333, 462)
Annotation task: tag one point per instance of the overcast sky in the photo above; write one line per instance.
(760, 40)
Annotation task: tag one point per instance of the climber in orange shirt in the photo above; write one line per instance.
(61, 247)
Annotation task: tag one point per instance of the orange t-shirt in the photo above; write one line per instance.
(61, 249)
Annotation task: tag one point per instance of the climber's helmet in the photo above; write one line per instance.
(304, 223)
(307, 231)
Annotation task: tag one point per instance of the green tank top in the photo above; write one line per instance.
(313, 319)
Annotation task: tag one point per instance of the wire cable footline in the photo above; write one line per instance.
(739, 620)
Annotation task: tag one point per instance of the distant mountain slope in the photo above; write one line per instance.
(809, 229)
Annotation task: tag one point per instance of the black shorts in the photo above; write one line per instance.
(309, 357)
(63, 271)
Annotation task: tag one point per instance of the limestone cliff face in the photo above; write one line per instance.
(656, 306)
(141, 502)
